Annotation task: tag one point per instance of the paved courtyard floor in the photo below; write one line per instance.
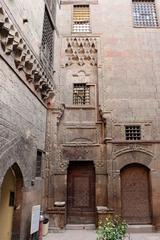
(91, 235)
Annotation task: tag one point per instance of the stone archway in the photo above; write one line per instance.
(135, 194)
(11, 203)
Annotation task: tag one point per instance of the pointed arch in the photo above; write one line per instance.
(12, 193)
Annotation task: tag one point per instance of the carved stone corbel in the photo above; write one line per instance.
(24, 59)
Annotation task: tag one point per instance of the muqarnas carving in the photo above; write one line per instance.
(81, 50)
(14, 45)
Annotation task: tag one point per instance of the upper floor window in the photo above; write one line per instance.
(47, 41)
(81, 18)
(133, 132)
(144, 13)
(81, 94)
(38, 163)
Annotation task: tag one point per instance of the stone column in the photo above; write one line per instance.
(117, 192)
(108, 131)
(51, 150)
(101, 190)
(155, 193)
(108, 138)
(55, 179)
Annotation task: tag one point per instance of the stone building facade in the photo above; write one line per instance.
(26, 90)
(103, 133)
(97, 131)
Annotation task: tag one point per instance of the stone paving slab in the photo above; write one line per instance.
(91, 235)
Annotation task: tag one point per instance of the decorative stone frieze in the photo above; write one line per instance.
(131, 148)
(81, 50)
(15, 46)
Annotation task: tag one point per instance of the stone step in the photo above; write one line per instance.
(80, 227)
(141, 228)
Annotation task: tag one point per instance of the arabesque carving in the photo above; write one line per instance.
(81, 50)
(14, 45)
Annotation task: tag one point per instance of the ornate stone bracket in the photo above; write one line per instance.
(15, 46)
(61, 112)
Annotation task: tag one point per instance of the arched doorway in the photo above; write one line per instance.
(135, 197)
(11, 204)
(81, 193)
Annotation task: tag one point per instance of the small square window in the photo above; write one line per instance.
(144, 13)
(133, 132)
(81, 94)
(81, 18)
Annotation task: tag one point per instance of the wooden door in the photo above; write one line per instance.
(135, 194)
(81, 193)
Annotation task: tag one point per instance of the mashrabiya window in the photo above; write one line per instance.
(144, 13)
(81, 94)
(81, 18)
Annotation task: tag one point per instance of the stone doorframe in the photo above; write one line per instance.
(123, 158)
(84, 170)
(136, 177)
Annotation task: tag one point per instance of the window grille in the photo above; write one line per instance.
(52, 7)
(38, 163)
(133, 132)
(81, 94)
(47, 41)
(81, 18)
(144, 13)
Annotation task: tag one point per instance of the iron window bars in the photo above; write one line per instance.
(133, 132)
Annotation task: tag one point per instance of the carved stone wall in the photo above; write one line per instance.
(126, 88)
(81, 50)
(22, 116)
(79, 152)
(118, 130)
(22, 132)
(17, 50)
(137, 155)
